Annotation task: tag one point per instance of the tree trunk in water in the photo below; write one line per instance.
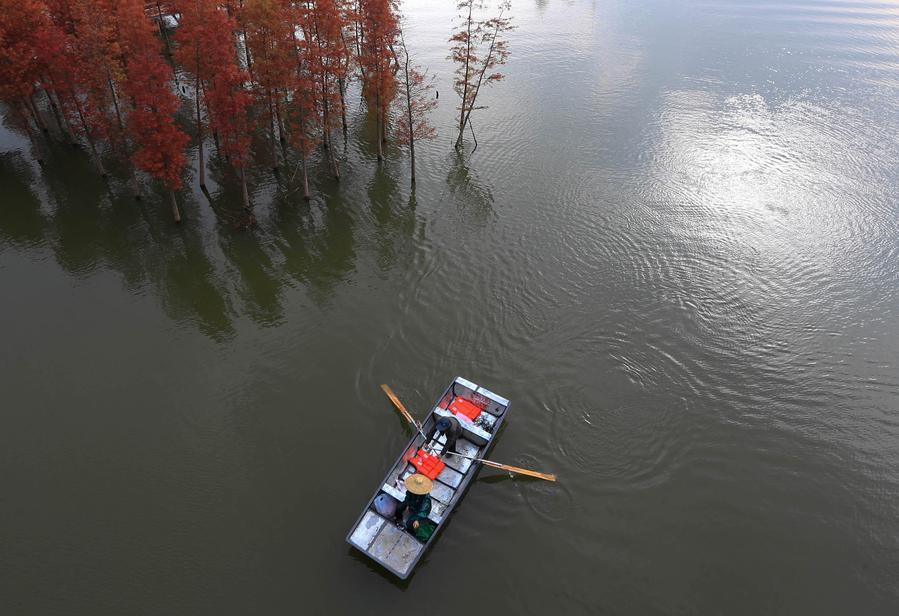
(175, 211)
(341, 84)
(326, 120)
(71, 134)
(306, 193)
(135, 187)
(380, 142)
(87, 135)
(461, 132)
(409, 116)
(201, 161)
(466, 78)
(165, 36)
(55, 111)
(326, 138)
(271, 117)
(37, 114)
(26, 123)
(115, 104)
(243, 188)
(32, 109)
(246, 51)
(380, 128)
(53, 96)
(215, 133)
(466, 113)
(246, 47)
(100, 168)
(281, 133)
(99, 163)
(412, 153)
(335, 166)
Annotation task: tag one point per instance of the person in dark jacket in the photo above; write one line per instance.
(450, 427)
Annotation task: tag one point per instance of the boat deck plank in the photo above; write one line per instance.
(450, 476)
(367, 530)
(442, 492)
(386, 540)
(404, 552)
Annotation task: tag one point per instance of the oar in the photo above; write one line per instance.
(505, 467)
(402, 409)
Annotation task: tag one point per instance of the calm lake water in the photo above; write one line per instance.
(676, 250)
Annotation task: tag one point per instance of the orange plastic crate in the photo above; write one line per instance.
(427, 464)
(461, 406)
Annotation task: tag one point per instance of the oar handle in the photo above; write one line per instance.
(506, 467)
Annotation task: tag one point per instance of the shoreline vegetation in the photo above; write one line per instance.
(139, 83)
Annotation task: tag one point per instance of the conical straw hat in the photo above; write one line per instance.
(418, 484)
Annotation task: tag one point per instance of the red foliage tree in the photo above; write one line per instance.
(228, 104)
(378, 31)
(269, 27)
(24, 26)
(477, 47)
(347, 10)
(101, 61)
(100, 65)
(207, 51)
(415, 102)
(57, 60)
(305, 120)
(82, 68)
(196, 35)
(322, 22)
(151, 124)
(227, 101)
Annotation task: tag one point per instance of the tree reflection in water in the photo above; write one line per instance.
(224, 263)
(395, 222)
(468, 191)
(22, 223)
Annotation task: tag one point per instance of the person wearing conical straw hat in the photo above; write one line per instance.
(417, 501)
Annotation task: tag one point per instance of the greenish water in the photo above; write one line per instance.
(676, 251)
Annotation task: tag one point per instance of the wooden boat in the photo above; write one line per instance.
(392, 546)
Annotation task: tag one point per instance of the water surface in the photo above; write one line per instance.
(676, 250)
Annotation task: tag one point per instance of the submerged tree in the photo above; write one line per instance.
(270, 30)
(229, 118)
(279, 65)
(478, 47)
(378, 26)
(416, 102)
(207, 50)
(303, 115)
(102, 61)
(196, 34)
(159, 142)
(322, 23)
(24, 25)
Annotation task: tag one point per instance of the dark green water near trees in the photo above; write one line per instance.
(676, 250)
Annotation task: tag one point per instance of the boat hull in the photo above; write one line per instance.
(396, 549)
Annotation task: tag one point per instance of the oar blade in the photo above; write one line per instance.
(521, 471)
(396, 402)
